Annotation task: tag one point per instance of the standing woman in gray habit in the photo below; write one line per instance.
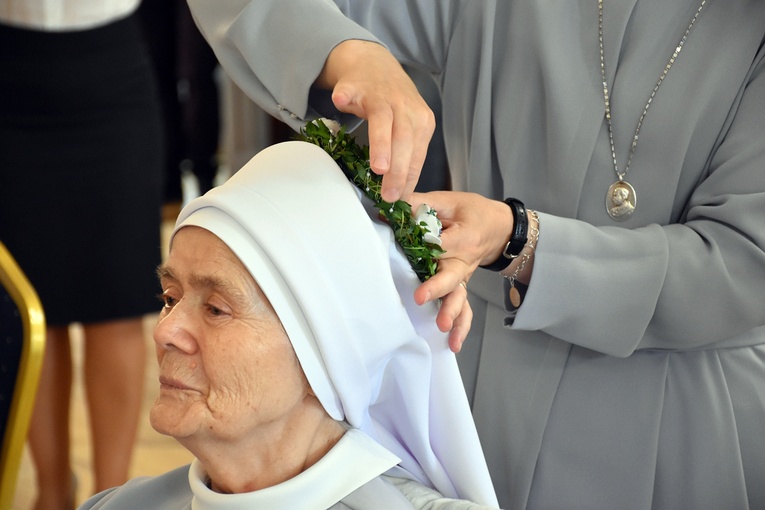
(608, 158)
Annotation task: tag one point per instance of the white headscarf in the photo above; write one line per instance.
(343, 291)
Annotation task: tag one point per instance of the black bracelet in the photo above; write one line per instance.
(517, 237)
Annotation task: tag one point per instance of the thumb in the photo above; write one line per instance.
(344, 99)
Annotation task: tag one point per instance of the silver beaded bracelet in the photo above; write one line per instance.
(531, 242)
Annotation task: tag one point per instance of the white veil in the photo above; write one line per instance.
(344, 293)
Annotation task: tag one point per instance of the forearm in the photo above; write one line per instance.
(616, 290)
(274, 50)
(594, 287)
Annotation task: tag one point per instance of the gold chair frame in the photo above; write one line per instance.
(22, 404)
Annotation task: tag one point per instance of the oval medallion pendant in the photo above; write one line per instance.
(515, 297)
(621, 200)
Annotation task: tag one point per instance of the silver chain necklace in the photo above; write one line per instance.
(621, 198)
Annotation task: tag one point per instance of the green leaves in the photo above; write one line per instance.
(353, 159)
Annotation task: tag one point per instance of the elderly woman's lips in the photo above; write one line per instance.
(172, 384)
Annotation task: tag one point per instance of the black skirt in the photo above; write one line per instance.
(81, 154)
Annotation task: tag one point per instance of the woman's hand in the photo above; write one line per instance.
(367, 81)
(475, 231)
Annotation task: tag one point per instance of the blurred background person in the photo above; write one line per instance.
(81, 143)
(185, 67)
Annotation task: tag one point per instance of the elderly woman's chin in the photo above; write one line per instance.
(170, 418)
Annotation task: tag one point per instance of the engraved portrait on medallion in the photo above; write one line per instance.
(620, 200)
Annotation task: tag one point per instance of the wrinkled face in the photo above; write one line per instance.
(227, 369)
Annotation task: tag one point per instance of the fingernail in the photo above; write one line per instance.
(380, 164)
(391, 195)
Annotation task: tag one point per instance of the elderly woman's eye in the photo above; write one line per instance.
(167, 300)
(214, 310)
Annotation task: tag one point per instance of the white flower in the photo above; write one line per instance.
(427, 214)
(333, 125)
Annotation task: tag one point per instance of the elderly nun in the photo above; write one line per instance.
(294, 363)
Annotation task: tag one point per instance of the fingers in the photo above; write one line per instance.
(444, 202)
(411, 133)
(475, 228)
(471, 224)
(397, 152)
(450, 285)
(451, 272)
(455, 316)
(400, 127)
(380, 130)
(367, 81)
(460, 328)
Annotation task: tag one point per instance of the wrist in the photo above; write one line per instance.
(517, 238)
(337, 59)
(350, 54)
(518, 274)
(517, 270)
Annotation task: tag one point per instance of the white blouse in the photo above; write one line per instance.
(59, 15)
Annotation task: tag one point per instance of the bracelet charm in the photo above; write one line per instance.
(514, 294)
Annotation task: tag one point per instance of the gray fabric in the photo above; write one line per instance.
(171, 491)
(633, 375)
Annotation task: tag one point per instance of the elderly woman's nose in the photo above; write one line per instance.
(174, 331)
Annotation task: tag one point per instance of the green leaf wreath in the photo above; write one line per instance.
(353, 159)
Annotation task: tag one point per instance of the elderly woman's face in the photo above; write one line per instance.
(227, 369)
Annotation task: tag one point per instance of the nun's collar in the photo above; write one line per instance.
(354, 461)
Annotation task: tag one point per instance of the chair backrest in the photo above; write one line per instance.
(22, 344)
